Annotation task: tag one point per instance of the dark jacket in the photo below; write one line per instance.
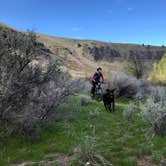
(96, 77)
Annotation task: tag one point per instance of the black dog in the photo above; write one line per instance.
(109, 100)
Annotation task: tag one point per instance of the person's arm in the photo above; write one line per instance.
(102, 77)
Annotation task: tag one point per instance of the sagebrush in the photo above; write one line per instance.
(31, 83)
(154, 111)
(128, 86)
(129, 112)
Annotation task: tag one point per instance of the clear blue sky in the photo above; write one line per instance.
(127, 21)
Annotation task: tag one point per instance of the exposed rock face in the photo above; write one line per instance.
(104, 52)
(111, 53)
(81, 58)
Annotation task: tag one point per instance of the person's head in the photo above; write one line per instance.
(99, 69)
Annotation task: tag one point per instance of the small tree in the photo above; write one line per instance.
(136, 66)
(148, 46)
(159, 71)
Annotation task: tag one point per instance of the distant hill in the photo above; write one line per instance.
(82, 57)
(2, 25)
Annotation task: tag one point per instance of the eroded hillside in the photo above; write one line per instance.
(82, 57)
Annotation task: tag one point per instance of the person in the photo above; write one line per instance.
(95, 79)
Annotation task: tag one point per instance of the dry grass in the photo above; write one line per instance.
(81, 64)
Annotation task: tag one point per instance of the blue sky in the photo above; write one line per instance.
(126, 21)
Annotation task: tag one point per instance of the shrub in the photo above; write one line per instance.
(86, 153)
(65, 111)
(154, 111)
(94, 114)
(31, 84)
(136, 66)
(128, 113)
(87, 85)
(84, 100)
(158, 75)
(128, 86)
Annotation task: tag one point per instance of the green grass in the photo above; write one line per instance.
(120, 142)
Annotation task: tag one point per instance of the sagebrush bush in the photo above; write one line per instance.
(86, 153)
(66, 111)
(154, 111)
(94, 114)
(129, 112)
(128, 86)
(87, 86)
(31, 84)
(84, 100)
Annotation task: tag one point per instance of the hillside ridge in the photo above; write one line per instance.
(82, 57)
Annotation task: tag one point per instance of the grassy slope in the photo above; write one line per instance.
(120, 142)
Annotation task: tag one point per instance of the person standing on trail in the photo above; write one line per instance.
(95, 79)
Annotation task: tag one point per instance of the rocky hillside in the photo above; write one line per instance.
(82, 57)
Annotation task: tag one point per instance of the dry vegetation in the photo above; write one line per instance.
(78, 56)
(29, 93)
(128, 86)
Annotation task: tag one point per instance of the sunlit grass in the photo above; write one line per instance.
(117, 140)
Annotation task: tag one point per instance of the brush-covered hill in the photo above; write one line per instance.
(82, 57)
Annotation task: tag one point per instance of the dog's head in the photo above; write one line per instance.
(110, 92)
